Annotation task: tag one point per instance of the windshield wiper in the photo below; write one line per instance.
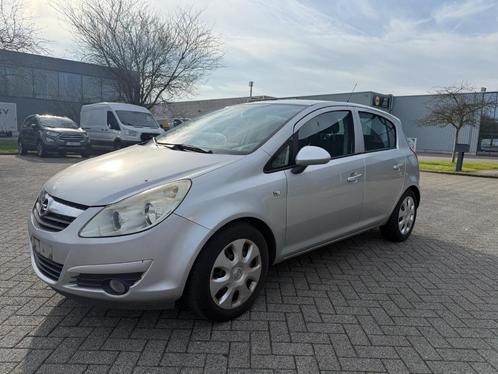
(184, 147)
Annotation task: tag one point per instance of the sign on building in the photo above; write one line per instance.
(382, 101)
(8, 119)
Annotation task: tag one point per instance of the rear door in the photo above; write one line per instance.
(324, 201)
(384, 167)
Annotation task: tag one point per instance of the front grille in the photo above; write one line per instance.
(71, 137)
(47, 267)
(53, 214)
(101, 280)
(51, 221)
(147, 136)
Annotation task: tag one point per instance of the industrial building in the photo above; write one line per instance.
(39, 84)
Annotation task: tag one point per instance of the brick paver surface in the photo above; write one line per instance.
(427, 305)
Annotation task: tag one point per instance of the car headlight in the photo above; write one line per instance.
(137, 213)
(51, 134)
(130, 133)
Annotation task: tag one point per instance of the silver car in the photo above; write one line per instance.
(201, 212)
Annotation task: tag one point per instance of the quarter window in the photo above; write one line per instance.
(378, 132)
(332, 131)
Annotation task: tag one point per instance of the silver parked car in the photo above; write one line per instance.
(202, 211)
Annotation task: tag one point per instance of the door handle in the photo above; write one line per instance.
(397, 166)
(354, 177)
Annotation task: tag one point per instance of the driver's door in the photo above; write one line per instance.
(324, 201)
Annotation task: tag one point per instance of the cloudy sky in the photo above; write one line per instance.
(300, 47)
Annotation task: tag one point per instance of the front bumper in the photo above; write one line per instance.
(63, 147)
(164, 254)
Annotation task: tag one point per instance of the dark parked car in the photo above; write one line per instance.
(46, 133)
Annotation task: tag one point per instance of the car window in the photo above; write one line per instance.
(112, 122)
(281, 158)
(378, 132)
(332, 131)
(27, 122)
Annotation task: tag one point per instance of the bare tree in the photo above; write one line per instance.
(456, 106)
(153, 59)
(17, 29)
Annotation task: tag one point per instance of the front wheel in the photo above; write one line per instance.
(21, 149)
(229, 273)
(402, 220)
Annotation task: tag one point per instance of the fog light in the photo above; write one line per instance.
(118, 287)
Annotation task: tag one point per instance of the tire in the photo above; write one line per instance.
(117, 144)
(85, 154)
(218, 294)
(40, 149)
(21, 149)
(402, 220)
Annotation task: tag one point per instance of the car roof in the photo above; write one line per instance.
(45, 116)
(118, 106)
(318, 104)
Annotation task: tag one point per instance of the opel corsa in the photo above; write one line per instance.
(202, 211)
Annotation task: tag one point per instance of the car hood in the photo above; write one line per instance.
(63, 130)
(111, 177)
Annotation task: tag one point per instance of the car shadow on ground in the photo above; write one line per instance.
(422, 280)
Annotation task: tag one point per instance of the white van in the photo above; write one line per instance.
(115, 125)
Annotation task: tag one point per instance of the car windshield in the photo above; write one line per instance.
(239, 129)
(57, 122)
(136, 119)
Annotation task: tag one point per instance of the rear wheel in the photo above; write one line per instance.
(229, 273)
(21, 149)
(40, 149)
(402, 220)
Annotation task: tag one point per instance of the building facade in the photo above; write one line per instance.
(46, 85)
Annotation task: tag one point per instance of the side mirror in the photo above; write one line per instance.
(310, 155)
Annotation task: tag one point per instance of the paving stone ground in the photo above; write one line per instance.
(429, 305)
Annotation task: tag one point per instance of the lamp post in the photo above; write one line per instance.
(251, 83)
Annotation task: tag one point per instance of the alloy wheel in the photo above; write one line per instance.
(235, 274)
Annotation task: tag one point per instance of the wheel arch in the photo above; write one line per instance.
(261, 226)
(416, 191)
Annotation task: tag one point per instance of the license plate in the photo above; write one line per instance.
(73, 143)
(41, 248)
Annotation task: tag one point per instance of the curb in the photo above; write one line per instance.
(464, 174)
(7, 153)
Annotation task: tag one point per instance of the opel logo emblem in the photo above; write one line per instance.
(44, 206)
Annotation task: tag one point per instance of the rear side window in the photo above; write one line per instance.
(378, 132)
(27, 122)
(332, 131)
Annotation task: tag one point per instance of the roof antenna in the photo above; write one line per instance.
(351, 94)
